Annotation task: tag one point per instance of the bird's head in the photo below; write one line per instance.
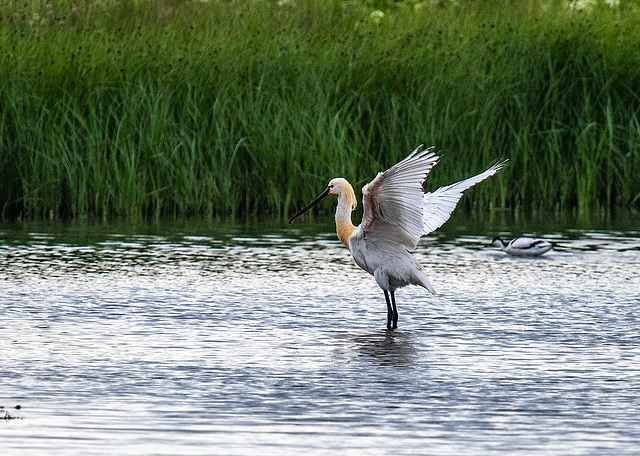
(343, 190)
(498, 242)
(339, 187)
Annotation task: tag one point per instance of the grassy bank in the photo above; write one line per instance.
(145, 108)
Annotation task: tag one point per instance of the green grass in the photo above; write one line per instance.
(146, 108)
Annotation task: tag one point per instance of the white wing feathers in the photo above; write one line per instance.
(438, 206)
(393, 201)
(396, 207)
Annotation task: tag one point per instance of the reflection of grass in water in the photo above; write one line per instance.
(120, 108)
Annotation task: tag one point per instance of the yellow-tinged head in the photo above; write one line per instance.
(341, 188)
(344, 191)
(346, 203)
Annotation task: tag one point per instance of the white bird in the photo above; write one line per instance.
(396, 214)
(524, 246)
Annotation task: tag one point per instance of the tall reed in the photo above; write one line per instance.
(143, 108)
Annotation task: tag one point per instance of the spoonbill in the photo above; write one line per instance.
(524, 246)
(396, 214)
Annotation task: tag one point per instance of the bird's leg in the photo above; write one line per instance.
(395, 310)
(389, 309)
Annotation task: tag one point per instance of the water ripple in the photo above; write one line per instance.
(275, 343)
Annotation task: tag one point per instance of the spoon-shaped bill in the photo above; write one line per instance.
(313, 203)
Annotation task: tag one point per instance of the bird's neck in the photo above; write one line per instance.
(344, 227)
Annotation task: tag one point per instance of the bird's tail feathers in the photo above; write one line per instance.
(422, 280)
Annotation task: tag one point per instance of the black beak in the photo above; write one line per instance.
(315, 201)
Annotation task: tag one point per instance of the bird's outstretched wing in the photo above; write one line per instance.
(393, 201)
(438, 205)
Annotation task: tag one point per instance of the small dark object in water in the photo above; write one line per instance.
(4, 415)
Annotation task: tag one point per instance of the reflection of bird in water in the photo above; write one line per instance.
(396, 214)
(524, 246)
(388, 349)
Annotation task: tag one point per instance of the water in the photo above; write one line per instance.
(271, 341)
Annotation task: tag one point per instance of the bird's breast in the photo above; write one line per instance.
(344, 231)
(370, 253)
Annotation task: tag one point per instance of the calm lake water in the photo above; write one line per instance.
(266, 339)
